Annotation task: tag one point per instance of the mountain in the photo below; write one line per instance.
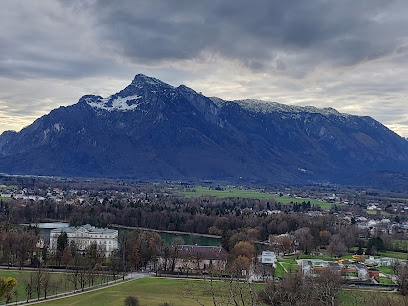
(152, 130)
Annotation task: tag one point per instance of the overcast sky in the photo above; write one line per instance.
(350, 55)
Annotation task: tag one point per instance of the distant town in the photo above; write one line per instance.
(99, 231)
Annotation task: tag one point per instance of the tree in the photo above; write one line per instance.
(7, 285)
(294, 289)
(403, 280)
(325, 237)
(336, 247)
(25, 246)
(38, 279)
(46, 282)
(66, 256)
(131, 301)
(396, 265)
(243, 248)
(327, 284)
(305, 239)
(62, 241)
(134, 257)
(376, 242)
(29, 287)
(175, 244)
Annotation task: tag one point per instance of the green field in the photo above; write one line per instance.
(250, 194)
(23, 278)
(386, 280)
(400, 244)
(151, 292)
(385, 270)
(289, 263)
(154, 291)
(356, 297)
(279, 271)
(303, 256)
(398, 255)
(9, 186)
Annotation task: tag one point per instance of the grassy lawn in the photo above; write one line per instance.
(279, 271)
(356, 297)
(23, 277)
(401, 244)
(152, 292)
(250, 194)
(289, 266)
(386, 280)
(10, 186)
(385, 270)
(290, 260)
(348, 256)
(398, 255)
(303, 256)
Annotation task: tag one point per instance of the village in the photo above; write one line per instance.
(182, 231)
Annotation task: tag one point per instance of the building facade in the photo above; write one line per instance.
(84, 236)
(268, 257)
(196, 258)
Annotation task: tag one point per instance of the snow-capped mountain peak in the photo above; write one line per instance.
(115, 103)
(260, 106)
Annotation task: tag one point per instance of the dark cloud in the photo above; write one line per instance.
(77, 38)
(255, 32)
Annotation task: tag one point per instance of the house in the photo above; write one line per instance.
(307, 268)
(362, 272)
(268, 257)
(86, 235)
(198, 258)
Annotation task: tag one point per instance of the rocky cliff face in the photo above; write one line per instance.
(151, 130)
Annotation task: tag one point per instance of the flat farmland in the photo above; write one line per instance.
(250, 194)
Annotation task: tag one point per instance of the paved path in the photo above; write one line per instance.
(284, 269)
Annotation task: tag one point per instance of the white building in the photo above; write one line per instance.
(268, 257)
(85, 235)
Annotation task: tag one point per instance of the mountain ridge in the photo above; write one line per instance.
(152, 130)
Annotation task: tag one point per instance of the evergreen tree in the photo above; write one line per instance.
(62, 241)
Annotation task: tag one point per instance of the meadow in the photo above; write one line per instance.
(153, 292)
(58, 283)
(156, 291)
(250, 194)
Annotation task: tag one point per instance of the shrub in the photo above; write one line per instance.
(131, 301)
